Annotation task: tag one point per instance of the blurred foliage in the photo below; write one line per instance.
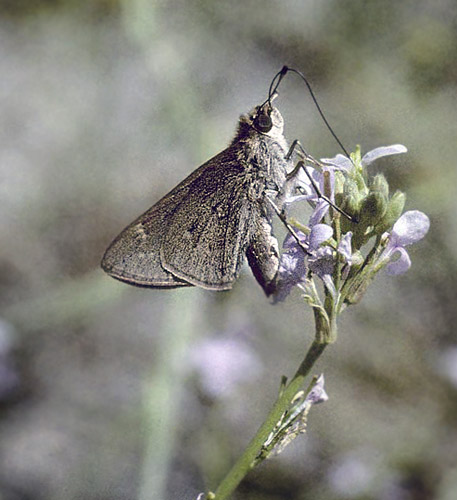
(94, 8)
(105, 105)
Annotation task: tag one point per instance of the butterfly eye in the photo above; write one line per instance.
(262, 122)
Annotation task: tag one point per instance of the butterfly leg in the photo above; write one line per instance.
(301, 164)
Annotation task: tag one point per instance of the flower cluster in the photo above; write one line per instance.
(335, 245)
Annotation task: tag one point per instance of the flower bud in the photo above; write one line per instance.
(360, 234)
(373, 208)
(360, 183)
(394, 210)
(380, 185)
(349, 201)
(357, 260)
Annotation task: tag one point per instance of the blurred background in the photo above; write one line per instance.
(111, 392)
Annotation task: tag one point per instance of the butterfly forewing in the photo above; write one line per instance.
(210, 234)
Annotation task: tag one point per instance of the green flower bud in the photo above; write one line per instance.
(373, 208)
(395, 208)
(352, 196)
(380, 185)
(356, 157)
(361, 184)
(357, 260)
(349, 201)
(352, 205)
(360, 235)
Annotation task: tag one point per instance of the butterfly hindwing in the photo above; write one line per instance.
(134, 256)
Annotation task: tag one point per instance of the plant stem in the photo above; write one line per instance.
(244, 463)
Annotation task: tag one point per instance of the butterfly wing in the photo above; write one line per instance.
(195, 235)
(134, 256)
(212, 224)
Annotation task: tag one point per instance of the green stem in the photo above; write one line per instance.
(244, 463)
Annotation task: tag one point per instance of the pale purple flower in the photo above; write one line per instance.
(307, 192)
(303, 185)
(411, 227)
(317, 394)
(322, 207)
(321, 262)
(292, 272)
(293, 265)
(376, 153)
(341, 162)
(345, 248)
(319, 234)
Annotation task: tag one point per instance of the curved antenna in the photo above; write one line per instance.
(274, 87)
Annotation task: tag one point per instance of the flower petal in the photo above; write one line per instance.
(340, 162)
(304, 182)
(290, 243)
(412, 226)
(317, 394)
(401, 265)
(301, 186)
(291, 264)
(294, 199)
(319, 234)
(344, 248)
(321, 262)
(374, 154)
(319, 212)
(292, 272)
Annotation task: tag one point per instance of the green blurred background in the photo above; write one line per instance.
(111, 392)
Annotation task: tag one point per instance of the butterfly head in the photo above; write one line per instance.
(266, 119)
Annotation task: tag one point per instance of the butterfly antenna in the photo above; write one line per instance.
(274, 87)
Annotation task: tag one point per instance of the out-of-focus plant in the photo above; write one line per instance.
(332, 260)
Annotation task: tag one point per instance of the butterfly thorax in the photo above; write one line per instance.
(263, 155)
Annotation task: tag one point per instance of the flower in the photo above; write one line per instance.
(345, 249)
(376, 153)
(322, 206)
(341, 162)
(411, 227)
(317, 394)
(293, 265)
(368, 211)
(305, 183)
